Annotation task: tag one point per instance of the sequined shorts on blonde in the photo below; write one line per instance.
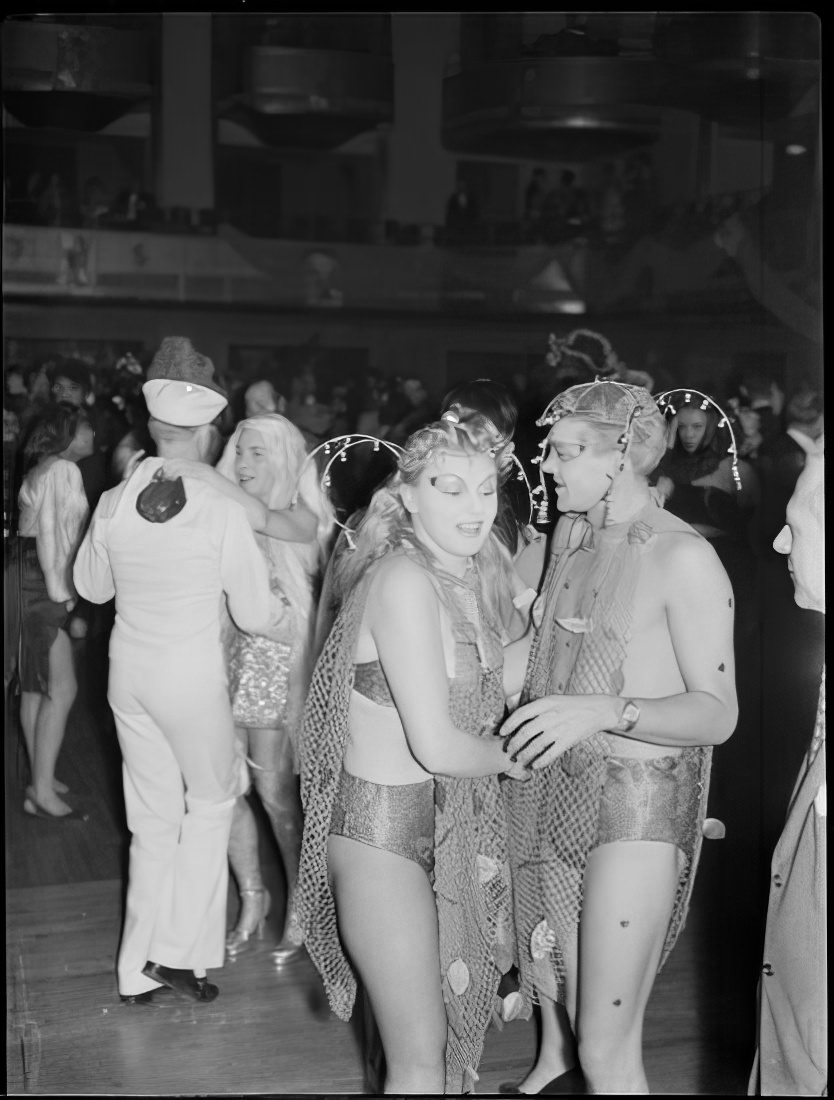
(649, 799)
(399, 819)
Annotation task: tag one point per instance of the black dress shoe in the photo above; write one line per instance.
(569, 1083)
(154, 998)
(183, 982)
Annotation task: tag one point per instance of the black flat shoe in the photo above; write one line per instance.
(569, 1083)
(182, 982)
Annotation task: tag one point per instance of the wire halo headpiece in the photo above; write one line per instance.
(689, 399)
(561, 406)
(338, 448)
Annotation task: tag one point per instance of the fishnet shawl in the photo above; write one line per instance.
(471, 873)
(579, 649)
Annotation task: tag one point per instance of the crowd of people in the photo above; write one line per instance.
(486, 773)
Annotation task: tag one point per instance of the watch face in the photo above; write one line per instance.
(631, 712)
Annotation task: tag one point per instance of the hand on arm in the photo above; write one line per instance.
(297, 524)
(403, 615)
(699, 612)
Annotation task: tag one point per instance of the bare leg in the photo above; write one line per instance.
(51, 725)
(629, 894)
(557, 1049)
(30, 704)
(244, 860)
(277, 786)
(388, 923)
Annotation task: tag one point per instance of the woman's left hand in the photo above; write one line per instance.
(541, 731)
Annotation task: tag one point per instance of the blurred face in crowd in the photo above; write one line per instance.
(254, 473)
(83, 442)
(692, 424)
(14, 383)
(802, 538)
(65, 389)
(261, 398)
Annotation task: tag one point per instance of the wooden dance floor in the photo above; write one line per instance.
(270, 1032)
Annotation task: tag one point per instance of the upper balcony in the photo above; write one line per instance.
(78, 73)
(304, 82)
(601, 83)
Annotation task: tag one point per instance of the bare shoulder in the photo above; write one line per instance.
(400, 580)
(687, 563)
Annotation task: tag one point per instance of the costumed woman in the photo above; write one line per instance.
(526, 545)
(404, 879)
(53, 518)
(264, 466)
(697, 482)
(629, 684)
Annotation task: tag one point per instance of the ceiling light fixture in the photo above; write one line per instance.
(795, 150)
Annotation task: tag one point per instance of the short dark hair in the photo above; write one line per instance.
(76, 370)
(804, 407)
(491, 399)
(52, 431)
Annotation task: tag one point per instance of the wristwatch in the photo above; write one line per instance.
(628, 719)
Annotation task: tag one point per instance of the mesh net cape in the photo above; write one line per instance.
(588, 597)
(471, 874)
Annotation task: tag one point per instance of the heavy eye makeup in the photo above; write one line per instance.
(451, 485)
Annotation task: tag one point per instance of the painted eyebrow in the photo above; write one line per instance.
(457, 477)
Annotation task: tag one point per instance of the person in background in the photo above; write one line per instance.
(533, 198)
(415, 412)
(792, 639)
(403, 870)
(462, 214)
(782, 458)
(171, 552)
(761, 393)
(792, 1051)
(696, 481)
(262, 398)
(53, 518)
(71, 381)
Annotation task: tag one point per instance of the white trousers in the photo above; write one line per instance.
(182, 773)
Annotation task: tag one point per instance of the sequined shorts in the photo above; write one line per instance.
(399, 819)
(653, 799)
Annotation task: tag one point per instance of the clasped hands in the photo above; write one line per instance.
(538, 732)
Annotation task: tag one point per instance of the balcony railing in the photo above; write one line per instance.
(233, 269)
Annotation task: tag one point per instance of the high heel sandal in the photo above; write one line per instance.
(254, 909)
(289, 947)
(32, 807)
